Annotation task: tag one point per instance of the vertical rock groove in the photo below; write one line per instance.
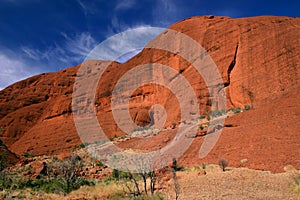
(231, 66)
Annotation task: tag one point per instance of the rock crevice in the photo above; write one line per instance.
(231, 66)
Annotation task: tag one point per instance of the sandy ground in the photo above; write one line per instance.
(239, 183)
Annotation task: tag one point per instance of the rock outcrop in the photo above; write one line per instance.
(259, 62)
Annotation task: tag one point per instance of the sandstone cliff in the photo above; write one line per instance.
(259, 62)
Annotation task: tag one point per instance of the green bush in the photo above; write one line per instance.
(247, 107)
(5, 181)
(81, 146)
(28, 154)
(99, 164)
(107, 180)
(59, 177)
(54, 185)
(115, 174)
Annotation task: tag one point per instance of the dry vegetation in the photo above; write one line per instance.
(199, 182)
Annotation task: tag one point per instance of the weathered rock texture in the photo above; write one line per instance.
(7, 158)
(258, 59)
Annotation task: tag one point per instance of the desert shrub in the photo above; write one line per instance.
(223, 163)
(27, 154)
(81, 146)
(247, 107)
(5, 181)
(99, 164)
(3, 160)
(295, 185)
(117, 137)
(108, 180)
(131, 181)
(201, 127)
(59, 177)
(2, 165)
(66, 170)
(216, 113)
(116, 174)
(236, 110)
(54, 185)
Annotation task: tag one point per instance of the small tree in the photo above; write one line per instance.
(223, 163)
(174, 168)
(65, 170)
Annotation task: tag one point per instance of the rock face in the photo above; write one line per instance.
(259, 62)
(7, 158)
(36, 114)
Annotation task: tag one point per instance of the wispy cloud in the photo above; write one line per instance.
(33, 54)
(124, 4)
(13, 69)
(80, 44)
(87, 7)
(73, 49)
(125, 45)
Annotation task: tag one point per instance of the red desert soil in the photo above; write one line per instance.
(259, 62)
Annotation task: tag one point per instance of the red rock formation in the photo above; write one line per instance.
(36, 114)
(258, 59)
(7, 158)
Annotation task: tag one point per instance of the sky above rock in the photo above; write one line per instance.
(39, 36)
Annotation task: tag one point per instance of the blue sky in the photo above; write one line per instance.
(48, 35)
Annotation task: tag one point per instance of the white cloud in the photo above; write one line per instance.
(13, 70)
(87, 8)
(79, 45)
(126, 44)
(72, 50)
(125, 4)
(33, 54)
